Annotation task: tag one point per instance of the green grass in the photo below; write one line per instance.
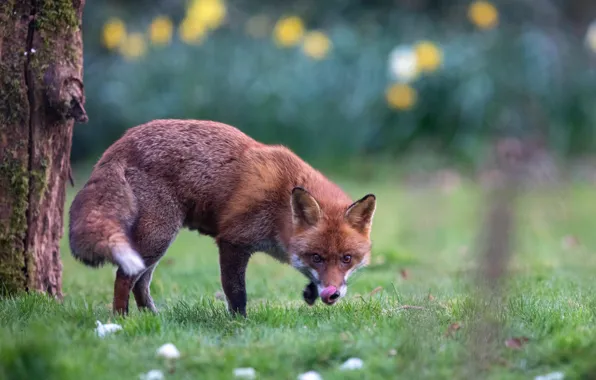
(550, 299)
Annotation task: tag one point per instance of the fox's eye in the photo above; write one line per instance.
(346, 259)
(316, 258)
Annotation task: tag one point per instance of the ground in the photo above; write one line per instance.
(424, 255)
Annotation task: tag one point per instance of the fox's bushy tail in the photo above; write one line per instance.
(101, 216)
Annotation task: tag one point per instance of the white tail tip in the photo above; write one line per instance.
(127, 259)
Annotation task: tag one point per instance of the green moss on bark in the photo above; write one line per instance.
(55, 18)
(12, 96)
(12, 234)
(39, 182)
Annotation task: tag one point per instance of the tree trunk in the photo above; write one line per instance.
(41, 96)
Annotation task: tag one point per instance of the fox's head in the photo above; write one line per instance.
(329, 245)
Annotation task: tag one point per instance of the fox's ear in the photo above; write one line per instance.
(360, 213)
(305, 209)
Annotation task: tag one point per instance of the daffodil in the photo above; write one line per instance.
(429, 57)
(401, 96)
(113, 33)
(316, 45)
(288, 31)
(211, 13)
(483, 14)
(133, 46)
(160, 30)
(192, 32)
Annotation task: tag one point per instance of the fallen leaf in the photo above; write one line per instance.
(310, 375)
(245, 373)
(352, 364)
(154, 374)
(405, 274)
(102, 330)
(516, 343)
(551, 376)
(376, 290)
(452, 328)
(168, 351)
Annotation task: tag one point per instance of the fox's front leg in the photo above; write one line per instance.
(310, 293)
(233, 260)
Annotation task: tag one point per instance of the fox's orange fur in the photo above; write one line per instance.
(210, 177)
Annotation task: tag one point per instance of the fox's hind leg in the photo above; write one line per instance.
(122, 287)
(141, 290)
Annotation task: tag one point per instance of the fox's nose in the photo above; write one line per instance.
(330, 294)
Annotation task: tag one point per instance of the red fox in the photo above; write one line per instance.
(210, 177)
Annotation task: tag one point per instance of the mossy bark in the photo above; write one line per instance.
(41, 96)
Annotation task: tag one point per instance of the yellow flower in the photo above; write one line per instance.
(288, 31)
(114, 32)
(258, 26)
(401, 96)
(160, 30)
(211, 13)
(192, 32)
(316, 45)
(428, 55)
(483, 14)
(133, 46)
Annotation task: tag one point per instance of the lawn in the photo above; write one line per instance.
(423, 255)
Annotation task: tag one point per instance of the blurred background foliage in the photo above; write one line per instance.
(338, 80)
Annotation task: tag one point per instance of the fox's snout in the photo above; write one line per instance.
(330, 295)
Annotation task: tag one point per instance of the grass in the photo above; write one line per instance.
(424, 233)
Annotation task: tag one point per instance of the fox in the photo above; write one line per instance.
(210, 177)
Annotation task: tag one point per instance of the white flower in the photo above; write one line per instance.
(591, 37)
(351, 364)
(551, 376)
(310, 375)
(403, 64)
(154, 374)
(245, 373)
(168, 351)
(102, 330)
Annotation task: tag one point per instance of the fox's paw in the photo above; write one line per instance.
(310, 294)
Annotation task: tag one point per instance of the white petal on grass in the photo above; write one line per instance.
(245, 373)
(591, 37)
(168, 351)
(102, 330)
(403, 64)
(551, 376)
(310, 375)
(154, 374)
(352, 364)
